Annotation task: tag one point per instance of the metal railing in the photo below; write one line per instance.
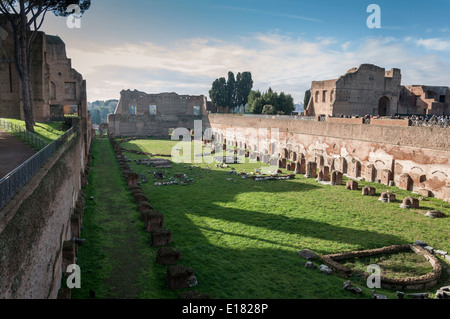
(13, 182)
(30, 138)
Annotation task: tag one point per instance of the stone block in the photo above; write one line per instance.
(168, 256)
(180, 277)
(324, 174)
(369, 191)
(132, 178)
(351, 185)
(336, 178)
(410, 202)
(370, 173)
(311, 170)
(161, 237)
(308, 254)
(300, 167)
(282, 163)
(405, 182)
(153, 220)
(386, 176)
(387, 197)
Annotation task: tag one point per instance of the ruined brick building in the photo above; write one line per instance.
(57, 87)
(371, 90)
(142, 114)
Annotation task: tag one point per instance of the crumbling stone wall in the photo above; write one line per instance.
(371, 90)
(54, 81)
(141, 114)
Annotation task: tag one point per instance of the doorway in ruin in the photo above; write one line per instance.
(383, 106)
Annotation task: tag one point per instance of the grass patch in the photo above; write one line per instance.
(46, 131)
(399, 265)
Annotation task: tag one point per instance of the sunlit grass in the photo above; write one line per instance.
(242, 236)
(46, 131)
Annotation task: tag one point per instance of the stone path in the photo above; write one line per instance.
(13, 152)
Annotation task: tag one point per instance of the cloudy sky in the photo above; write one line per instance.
(183, 45)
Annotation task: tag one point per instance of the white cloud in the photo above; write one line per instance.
(435, 44)
(285, 63)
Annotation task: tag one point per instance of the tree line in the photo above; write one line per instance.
(270, 103)
(231, 92)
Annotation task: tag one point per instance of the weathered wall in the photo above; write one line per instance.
(172, 111)
(35, 224)
(53, 79)
(358, 92)
(369, 151)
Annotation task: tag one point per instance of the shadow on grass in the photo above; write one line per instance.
(250, 252)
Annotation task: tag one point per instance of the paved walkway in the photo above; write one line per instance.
(13, 152)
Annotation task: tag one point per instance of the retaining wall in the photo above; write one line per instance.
(35, 224)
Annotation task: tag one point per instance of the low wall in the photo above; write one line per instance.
(345, 120)
(392, 122)
(418, 155)
(35, 224)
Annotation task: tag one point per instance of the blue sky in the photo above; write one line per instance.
(183, 45)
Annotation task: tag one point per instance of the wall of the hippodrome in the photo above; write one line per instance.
(35, 224)
(415, 158)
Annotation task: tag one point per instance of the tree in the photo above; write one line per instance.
(269, 110)
(231, 91)
(282, 103)
(307, 98)
(244, 85)
(24, 15)
(218, 92)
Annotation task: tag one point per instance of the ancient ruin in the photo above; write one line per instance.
(157, 115)
(372, 90)
(58, 89)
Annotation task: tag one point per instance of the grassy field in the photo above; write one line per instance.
(241, 236)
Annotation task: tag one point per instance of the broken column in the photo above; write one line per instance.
(351, 185)
(369, 191)
(410, 202)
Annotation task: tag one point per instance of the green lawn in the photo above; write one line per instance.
(46, 131)
(241, 236)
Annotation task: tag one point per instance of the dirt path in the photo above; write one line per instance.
(13, 152)
(122, 237)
